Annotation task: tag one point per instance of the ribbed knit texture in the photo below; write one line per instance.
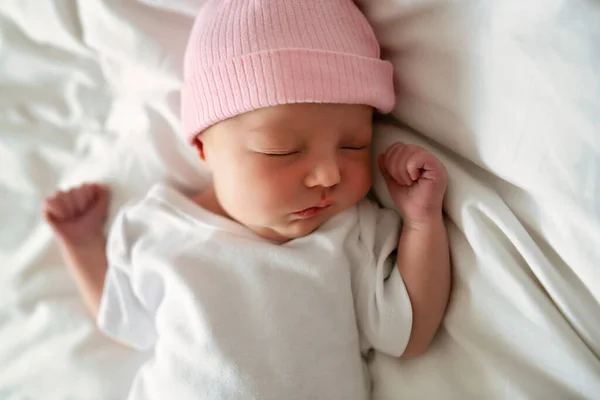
(247, 54)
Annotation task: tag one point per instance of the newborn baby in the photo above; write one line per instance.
(275, 280)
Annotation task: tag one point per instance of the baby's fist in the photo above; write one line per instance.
(78, 215)
(415, 179)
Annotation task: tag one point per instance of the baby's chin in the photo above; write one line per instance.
(297, 228)
(289, 231)
(302, 229)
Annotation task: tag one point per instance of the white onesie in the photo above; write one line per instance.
(230, 315)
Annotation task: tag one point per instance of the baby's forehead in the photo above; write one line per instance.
(304, 117)
(297, 121)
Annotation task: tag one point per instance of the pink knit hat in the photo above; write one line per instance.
(248, 54)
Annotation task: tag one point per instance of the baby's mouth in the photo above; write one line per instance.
(315, 210)
(310, 212)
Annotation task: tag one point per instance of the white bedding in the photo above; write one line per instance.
(506, 93)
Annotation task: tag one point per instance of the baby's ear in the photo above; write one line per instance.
(199, 146)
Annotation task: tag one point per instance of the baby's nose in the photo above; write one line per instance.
(326, 173)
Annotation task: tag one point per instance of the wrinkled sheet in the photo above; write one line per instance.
(506, 93)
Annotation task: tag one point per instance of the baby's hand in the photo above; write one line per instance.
(77, 216)
(415, 179)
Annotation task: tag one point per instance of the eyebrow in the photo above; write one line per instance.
(354, 131)
(275, 138)
(265, 128)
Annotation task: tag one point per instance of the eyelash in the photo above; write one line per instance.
(291, 153)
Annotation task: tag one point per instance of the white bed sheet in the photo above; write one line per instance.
(506, 93)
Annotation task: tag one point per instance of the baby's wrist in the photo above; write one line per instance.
(90, 241)
(423, 222)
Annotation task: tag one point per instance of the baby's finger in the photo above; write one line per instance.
(68, 203)
(415, 165)
(60, 204)
(424, 164)
(102, 198)
(391, 183)
(105, 193)
(99, 190)
(403, 158)
(88, 194)
(52, 210)
(79, 199)
(393, 163)
(51, 219)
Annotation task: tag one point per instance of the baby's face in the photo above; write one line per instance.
(283, 171)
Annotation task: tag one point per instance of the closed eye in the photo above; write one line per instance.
(281, 154)
(354, 147)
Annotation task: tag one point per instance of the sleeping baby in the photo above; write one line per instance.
(274, 282)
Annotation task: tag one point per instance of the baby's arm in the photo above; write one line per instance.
(417, 183)
(424, 263)
(77, 218)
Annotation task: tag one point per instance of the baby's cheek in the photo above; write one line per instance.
(263, 188)
(279, 190)
(358, 176)
(363, 188)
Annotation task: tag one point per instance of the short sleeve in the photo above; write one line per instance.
(383, 308)
(124, 314)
